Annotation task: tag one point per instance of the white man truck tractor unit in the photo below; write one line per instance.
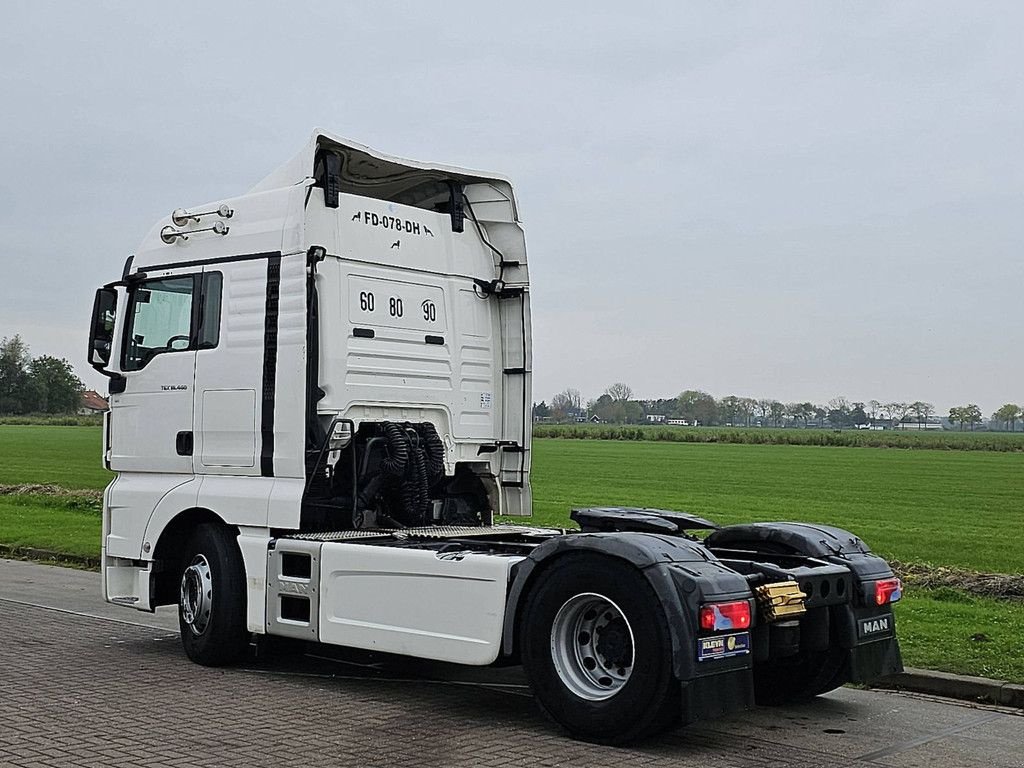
(319, 402)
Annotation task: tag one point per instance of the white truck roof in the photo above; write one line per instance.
(271, 216)
(386, 173)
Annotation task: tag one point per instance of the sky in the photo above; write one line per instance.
(786, 200)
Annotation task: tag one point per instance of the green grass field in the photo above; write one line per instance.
(959, 508)
(67, 456)
(52, 523)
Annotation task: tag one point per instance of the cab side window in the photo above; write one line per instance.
(209, 310)
(172, 314)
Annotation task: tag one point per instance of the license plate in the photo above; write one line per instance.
(723, 646)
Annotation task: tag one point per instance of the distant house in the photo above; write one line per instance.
(678, 422)
(92, 402)
(911, 424)
(655, 418)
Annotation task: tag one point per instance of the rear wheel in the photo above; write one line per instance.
(596, 648)
(211, 603)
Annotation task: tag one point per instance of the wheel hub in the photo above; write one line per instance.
(592, 646)
(614, 644)
(197, 595)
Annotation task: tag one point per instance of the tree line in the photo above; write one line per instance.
(29, 384)
(617, 405)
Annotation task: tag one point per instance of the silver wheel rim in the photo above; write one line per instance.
(197, 595)
(592, 646)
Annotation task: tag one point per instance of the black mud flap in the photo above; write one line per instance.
(870, 636)
(874, 661)
(705, 698)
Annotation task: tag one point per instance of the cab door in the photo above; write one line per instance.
(151, 419)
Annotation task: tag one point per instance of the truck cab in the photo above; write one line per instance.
(320, 402)
(345, 292)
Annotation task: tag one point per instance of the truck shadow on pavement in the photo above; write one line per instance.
(394, 697)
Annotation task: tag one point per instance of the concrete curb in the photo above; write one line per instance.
(964, 687)
(49, 556)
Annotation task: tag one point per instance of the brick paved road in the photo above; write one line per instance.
(90, 691)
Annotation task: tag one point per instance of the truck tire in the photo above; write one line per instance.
(800, 678)
(596, 649)
(211, 603)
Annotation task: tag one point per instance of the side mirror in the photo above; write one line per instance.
(101, 330)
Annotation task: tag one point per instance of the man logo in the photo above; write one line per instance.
(731, 643)
(874, 626)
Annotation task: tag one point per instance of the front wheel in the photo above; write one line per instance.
(211, 604)
(597, 651)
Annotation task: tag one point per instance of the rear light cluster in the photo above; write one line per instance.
(888, 591)
(716, 616)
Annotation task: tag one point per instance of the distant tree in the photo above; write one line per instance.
(874, 407)
(663, 406)
(798, 412)
(896, 412)
(809, 412)
(619, 391)
(616, 411)
(15, 388)
(728, 409)
(927, 411)
(541, 410)
(764, 408)
(794, 412)
(746, 407)
(57, 389)
(839, 412)
(965, 414)
(566, 405)
(697, 407)
(1008, 415)
(633, 411)
(886, 411)
(776, 412)
(574, 398)
(601, 408)
(857, 414)
(922, 411)
(956, 416)
(973, 414)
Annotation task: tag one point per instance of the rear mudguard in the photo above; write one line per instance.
(682, 573)
(870, 656)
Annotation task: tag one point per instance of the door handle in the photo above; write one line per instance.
(183, 443)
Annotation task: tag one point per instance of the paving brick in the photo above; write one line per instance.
(81, 691)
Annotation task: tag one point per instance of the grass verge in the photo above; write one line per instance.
(950, 631)
(55, 523)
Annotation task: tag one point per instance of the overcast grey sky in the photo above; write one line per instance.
(788, 200)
